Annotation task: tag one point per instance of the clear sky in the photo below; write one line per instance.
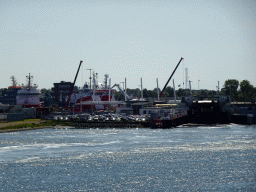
(126, 38)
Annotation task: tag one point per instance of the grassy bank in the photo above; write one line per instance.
(25, 124)
(33, 124)
(25, 120)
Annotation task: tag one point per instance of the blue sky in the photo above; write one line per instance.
(132, 39)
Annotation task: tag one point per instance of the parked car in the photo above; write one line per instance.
(58, 117)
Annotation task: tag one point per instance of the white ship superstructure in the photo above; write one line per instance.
(85, 91)
(28, 95)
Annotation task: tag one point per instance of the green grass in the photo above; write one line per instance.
(32, 119)
(25, 120)
(33, 125)
(50, 123)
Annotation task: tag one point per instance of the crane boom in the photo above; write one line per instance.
(72, 86)
(124, 94)
(170, 77)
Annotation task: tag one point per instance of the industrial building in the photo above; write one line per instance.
(8, 96)
(61, 91)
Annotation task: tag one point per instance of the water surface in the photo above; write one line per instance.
(202, 158)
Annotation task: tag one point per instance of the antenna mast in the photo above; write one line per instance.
(90, 78)
(186, 80)
(29, 81)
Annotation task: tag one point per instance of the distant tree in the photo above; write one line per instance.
(151, 93)
(44, 90)
(75, 88)
(155, 90)
(118, 95)
(14, 81)
(137, 93)
(247, 90)
(179, 92)
(204, 92)
(182, 92)
(165, 94)
(222, 91)
(145, 93)
(133, 92)
(169, 90)
(231, 88)
(210, 93)
(129, 92)
(254, 93)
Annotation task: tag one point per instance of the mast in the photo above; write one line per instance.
(186, 81)
(109, 89)
(141, 90)
(125, 89)
(90, 78)
(174, 91)
(157, 89)
(29, 81)
(106, 81)
(190, 91)
(141, 93)
(94, 85)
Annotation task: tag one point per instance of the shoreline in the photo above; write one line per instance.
(25, 126)
(25, 129)
(39, 124)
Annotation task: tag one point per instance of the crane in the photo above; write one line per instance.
(170, 77)
(72, 86)
(123, 93)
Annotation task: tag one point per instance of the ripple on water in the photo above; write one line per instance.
(190, 159)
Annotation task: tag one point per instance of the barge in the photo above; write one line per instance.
(175, 117)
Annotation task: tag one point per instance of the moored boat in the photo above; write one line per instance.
(28, 95)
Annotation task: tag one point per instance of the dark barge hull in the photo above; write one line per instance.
(210, 118)
(166, 124)
(243, 119)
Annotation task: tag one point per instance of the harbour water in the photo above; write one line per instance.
(194, 158)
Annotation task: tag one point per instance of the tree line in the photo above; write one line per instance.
(238, 91)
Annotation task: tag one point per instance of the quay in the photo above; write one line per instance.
(206, 110)
(191, 110)
(107, 124)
